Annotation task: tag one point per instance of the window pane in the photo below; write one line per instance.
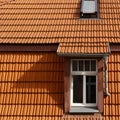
(91, 79)
(93, 65)
(87, 65)
(77, 89)
(81, 65)
(74, 65)
(90, 89)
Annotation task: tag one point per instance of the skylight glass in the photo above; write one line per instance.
(89, 6)
(89, 9)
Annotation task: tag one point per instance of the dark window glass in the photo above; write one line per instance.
(77, 89)
(87, 65)
(91, 79)
(81, 65)
(74, 65)
(93, 65)
(90, 89)
(89, 15)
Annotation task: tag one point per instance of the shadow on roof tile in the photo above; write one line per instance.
(42, 78)
(77, 11)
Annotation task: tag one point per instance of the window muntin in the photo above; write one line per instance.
(83, 65)
(84, 83)
(74, 68)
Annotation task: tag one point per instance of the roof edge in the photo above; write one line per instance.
(83, 55)
(28, 47)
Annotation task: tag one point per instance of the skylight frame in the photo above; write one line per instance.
(94, 13)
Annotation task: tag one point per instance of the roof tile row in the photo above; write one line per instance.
(112, 103)
(25, 94)
(47, 21)
(83, 48)
(32, 94)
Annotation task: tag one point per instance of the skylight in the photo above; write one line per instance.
(89, 9)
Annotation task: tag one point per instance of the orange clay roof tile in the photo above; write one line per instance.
(112, 103)
(25, 92)
(39, 21)
(83, 48)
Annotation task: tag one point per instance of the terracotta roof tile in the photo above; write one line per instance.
(83, 48)
(23, 95)
(112, 103)
(82, 117)
(25, 88)
(39, 21)
(3, 2)
(29, 94)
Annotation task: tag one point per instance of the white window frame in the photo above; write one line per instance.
(84, 73)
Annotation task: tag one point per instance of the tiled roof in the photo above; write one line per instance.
(83, 48)
(57, 21)
(31, 86)
(3, 2)
(112, 103)
(82, 117)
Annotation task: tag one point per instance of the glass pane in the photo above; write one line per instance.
(81, 65)
(91, 79)
(90, 89)
(74, 65)
(77, 89)
(93, 65)
(87, 65)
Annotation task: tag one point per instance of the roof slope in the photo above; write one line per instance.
(112, 103)
(83, 48)
(56, 21)
(31, 86)
(3, 2)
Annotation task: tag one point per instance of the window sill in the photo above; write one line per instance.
(83, 110)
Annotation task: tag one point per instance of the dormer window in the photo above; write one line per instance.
(89, 9)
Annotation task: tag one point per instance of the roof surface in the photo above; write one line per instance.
(57, 21)
(83, 48)
(31, 87)
(25, 97)
(112, 103)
